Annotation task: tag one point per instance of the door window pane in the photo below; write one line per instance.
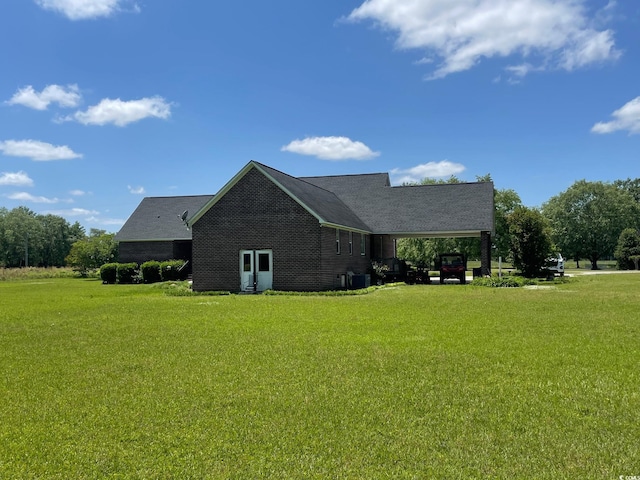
(246, 261)
(263, 262)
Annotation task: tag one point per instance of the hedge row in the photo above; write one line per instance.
(149, 272)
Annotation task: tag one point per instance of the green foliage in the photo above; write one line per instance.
(530, 240)
(506, 281)
(29, 239)
(109, 273)
(171, 270)
(150, 272)
(506, 202)
(628, 249)
(127, 273)
(92, 252)
(588, 218)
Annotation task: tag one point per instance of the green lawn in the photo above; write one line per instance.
(426, 381)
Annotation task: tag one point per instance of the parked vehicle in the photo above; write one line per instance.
(554, 266)
(452, 265)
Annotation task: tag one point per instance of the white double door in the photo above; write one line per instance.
(256, 270)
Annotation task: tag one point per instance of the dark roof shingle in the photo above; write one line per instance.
(158, 218)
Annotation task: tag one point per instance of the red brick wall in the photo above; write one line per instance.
(254, 215)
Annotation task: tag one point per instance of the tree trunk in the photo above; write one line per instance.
(594, 263)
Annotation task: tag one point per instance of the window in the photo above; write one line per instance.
(263, 262)
(363, 244)
(350, 243)
(338, 241)
(246, 262)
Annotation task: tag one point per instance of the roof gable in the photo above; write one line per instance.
(324, 205)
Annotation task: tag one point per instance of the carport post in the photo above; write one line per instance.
(485, 253)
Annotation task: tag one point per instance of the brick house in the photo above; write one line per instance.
(265, 229)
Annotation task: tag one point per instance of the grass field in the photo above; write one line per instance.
(406, 382)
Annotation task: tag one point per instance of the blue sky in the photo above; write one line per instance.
(103, 102)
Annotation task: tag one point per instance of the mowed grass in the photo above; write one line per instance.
(435, 381)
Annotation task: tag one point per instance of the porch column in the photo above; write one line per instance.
(485, 253)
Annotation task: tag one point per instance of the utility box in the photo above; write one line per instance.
(361, 280)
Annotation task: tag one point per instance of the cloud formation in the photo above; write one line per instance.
(36, 150)
(441, 169)
(85, 9)
(136, 190)
(68, 97)
(17, 179)
(555, 34)
(331, 148)
(122, 113)
(27, 197)
(625, 118)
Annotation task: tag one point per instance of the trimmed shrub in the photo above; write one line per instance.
(170, 270)
(506, 281)
(151, 272)
(109, 272)
(127, 272)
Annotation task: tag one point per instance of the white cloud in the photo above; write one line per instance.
(122, 113)
(27, 197)
(558, 33)
(625, 118)
(331, 148)
(86, 9)
(36, 150)
(77, 193)
(74, 212)
(444, 168)
(17, 179)
(136, 190)
(64, 96)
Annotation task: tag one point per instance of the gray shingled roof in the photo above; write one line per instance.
(424, 209)
(326, 204)
(158, 218)
(361, 202)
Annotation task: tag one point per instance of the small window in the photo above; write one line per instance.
(363, 244)
(350, 243)
(246, 262)
(337, 241)
(263, 262)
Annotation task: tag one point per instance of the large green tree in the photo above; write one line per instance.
(587, 219)
(530, 240)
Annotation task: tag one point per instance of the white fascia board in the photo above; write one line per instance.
(345, 228)
(443, 234)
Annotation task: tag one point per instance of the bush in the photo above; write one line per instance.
(506, 281)
(170, 270)
(127, 272)
(151, 272)
(109, 272)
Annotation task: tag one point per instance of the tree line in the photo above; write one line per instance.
(28, 239)
(589, 220)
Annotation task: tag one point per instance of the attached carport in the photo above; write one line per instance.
(451, 210)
